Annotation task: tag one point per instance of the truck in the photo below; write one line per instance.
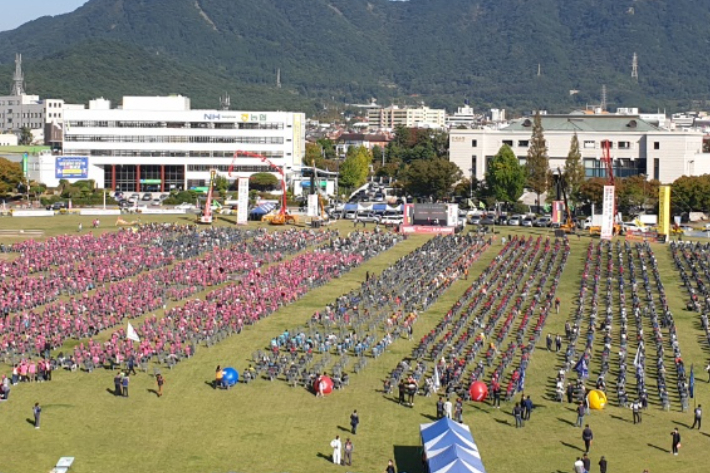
(647, 220)
(593, 221)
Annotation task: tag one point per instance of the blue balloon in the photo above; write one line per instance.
(230, 377)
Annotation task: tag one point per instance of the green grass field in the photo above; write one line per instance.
(269, 427)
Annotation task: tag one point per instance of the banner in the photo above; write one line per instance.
(71, 168)
(558, 208)
(608, 210)
(313, 205)
(243, 201)
(452, 215)
(664, 210)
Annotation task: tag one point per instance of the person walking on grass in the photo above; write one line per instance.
(348, 460)
(161, 381)
(602, 465)
(117, 384)
(587, 463)
(698, 416)
(636, 409)
(580, 415)
(675, 441)
(37, 410)
(354, 421)
(587, 437)
(390, 467)
(124, 384)
(578, 466)
(518, 414)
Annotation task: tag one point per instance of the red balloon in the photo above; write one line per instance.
(326, 382)
(478, 391)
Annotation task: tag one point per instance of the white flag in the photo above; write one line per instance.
(637, 358)
(131, 333)
(437, 382)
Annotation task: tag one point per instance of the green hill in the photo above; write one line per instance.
(441, 51)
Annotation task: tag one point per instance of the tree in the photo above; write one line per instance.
(26, 136)
(328, 148)
(505, 177)
(691, 193)
(314, 154)
(263, 181)
(574, 170)
(538, 163)
(221, 184)
(465, 187)
(431, 177)
(10, 175)
(636, 194)
(592, 191)
(355, 168)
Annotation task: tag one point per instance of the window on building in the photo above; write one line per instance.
(508, 143)
(473, 166)
(624, 145)
(522, 160)
(589, 144)
(474, 143)
(656, 145)
(657, 168)
(523, 144)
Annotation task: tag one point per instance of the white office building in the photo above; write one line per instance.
(637, 146)
(390, 117)
(157, 144)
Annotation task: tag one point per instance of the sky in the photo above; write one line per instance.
(17, 12)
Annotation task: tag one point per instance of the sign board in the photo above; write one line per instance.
(607, 230)
(558, 208)
(99, 212)
(664, 210)
(452, 215)
(151, 181)
(313, 206)
(243, 201)
(33, 213)
(25, 167)
(71, 167)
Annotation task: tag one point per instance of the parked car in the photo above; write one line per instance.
(542, 222)
(163, 197)
(391, 220)
(134, 196)
(626, 226)
(488, 220)
(185, 206)
(379, 197)
(147, 197)
(369, 217)
(57, 206)
(124, 204)
(475, 220)
(502, 220)
(156, 203)
(515, 220)
(350, 215)
(527, 222)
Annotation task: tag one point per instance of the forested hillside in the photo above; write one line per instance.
(440, 51)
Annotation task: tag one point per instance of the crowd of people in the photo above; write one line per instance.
(226, 310)
(515, 290)
(209, 257)
(366, 321)
(613, 270)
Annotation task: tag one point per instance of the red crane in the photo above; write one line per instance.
(606, 158)
(281, 218)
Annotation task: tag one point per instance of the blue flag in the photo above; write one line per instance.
(521, 382)
(582, 368)
(691, 383)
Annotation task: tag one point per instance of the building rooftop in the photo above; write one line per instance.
(594, 123)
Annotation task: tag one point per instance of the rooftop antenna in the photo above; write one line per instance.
(278, 78)
(18, 80)
(635, 68)
(225, 102)
(603, 104)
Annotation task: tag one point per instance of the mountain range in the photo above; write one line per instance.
(515, 54)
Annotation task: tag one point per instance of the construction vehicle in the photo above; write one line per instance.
(606, 159)
(568, 222)
(206, 214)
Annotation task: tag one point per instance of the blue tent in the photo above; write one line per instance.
(350, 208)
(379, 208)
(431, 431)
(456, 459)
(449, 448)
(263, 209)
